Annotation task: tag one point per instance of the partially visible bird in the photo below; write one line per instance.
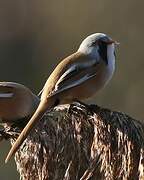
(77, 77)
(16, 101)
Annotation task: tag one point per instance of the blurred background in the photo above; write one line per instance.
(36, 34)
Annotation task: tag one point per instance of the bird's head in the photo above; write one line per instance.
(98, 46)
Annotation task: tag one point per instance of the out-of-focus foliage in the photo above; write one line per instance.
(36, 34)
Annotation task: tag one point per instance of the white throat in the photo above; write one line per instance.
(111, 57)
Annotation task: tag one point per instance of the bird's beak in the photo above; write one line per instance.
(112, 42)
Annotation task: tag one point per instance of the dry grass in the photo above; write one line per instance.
(83, 142)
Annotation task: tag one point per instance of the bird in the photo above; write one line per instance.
(77, 77)
(16, 102)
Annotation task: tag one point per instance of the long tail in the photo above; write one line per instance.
(42, 108)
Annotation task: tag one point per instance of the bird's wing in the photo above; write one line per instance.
(70, 72)
(76, 75)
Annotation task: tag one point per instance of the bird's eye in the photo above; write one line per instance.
(100, 42)
(94, 43)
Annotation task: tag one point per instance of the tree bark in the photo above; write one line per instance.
(81, 142)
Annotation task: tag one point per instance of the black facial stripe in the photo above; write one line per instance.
(115, 54)
(103, 51)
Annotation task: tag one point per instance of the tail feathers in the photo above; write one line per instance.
(36, 116)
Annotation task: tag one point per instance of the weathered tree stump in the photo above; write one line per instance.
(80, 142)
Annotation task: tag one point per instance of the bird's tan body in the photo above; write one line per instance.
(66, 96)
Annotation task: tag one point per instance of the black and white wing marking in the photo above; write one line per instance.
(6, 91)
(6, 95)
(74, 76)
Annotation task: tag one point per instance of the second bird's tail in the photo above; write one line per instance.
(39, 113)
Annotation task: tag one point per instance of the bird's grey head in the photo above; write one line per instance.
(98, 46)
